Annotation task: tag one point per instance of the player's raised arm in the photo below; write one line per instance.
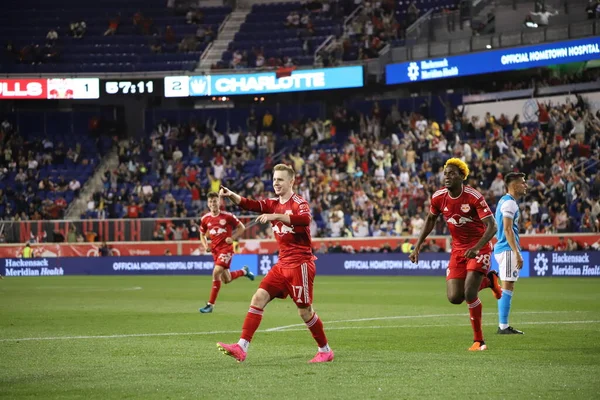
(429, 225)
(245, 203)
(226, 193)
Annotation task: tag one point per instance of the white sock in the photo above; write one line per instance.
(244, 344)
(503, 326)
(245, 272)
(324, 349)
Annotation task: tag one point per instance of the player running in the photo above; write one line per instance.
(294, 273)
(471, 226)
(219, 226)
(508, 250)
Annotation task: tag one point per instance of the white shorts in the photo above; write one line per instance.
(507, 266)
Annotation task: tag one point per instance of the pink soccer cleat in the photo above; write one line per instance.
(322, 356)
(232, 350)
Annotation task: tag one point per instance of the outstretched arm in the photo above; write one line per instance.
(296, 220)
(246, 204)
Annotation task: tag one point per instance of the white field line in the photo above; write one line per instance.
(285, 327)
(336, 328)
(301, 327)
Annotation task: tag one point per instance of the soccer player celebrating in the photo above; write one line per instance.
(219, 225)
(508, 250)
(294, 273)
(471, 226)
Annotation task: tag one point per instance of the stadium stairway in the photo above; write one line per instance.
(230, 27)
(93, 185)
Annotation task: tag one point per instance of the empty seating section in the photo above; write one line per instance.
(407, 16)
(128, 50)
(265, 31)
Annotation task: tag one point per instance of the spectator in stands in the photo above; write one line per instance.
(293, 20)
(590, 9)
(187, 44)
(138, 20)
(156, 44)
(113, 26)
(74, 186)
(412, 13)
(104, 250)
(201, 33)
(170, 37)
(78, 29)
(51, 37)
(544, 16)
(193, 17)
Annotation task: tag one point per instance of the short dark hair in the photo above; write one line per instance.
(513, 176)
(212, 195)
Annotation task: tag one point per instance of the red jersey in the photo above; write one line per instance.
(463, 215)
(295, 243)
(219, 228)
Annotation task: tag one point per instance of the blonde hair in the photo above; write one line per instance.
(460, 164)
(287, 168)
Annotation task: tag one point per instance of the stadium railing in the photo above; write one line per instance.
(500, 40)
(140, 232)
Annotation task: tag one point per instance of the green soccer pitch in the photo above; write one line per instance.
(394, 338)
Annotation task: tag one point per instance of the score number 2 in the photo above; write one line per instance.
(177, 86)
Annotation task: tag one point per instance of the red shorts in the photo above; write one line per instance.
(295, 282)
(459, 265)
(223, 259)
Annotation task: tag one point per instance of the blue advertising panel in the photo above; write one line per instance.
(164, 265)
(374, 264)
(559, 263)
(536, 264)
(494, 61)
(524, 273)
(264, 82)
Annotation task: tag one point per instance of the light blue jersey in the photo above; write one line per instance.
(507, 207)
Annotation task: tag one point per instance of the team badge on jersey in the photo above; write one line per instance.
(465, 208)
(222, 222)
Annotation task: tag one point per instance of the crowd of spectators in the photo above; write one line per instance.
(378, 181)
(25, 192)
(367, 174)
(396, 170)
(169, 174)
